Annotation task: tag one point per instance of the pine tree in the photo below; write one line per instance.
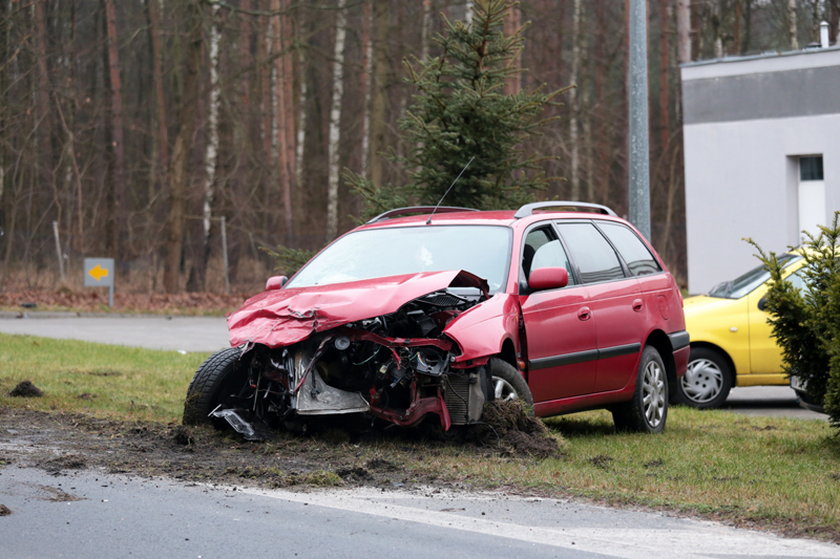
(805, 322)
(460, 114)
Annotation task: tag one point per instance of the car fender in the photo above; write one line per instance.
(481, 331)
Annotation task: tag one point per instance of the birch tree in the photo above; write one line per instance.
(335, 121)
(116, 216)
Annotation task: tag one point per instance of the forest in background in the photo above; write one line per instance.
(143, 129)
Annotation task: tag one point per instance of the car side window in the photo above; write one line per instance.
(631, 248)
(797, 280)
(593, 255)
(543, 250)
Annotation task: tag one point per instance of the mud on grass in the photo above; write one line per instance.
(62, 442)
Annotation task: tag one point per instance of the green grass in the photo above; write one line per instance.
(103, 380)
(782, 473)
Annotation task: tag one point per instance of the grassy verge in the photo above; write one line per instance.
(103, 380)
(783, 473)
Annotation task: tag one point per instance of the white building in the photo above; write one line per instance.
(762, 156)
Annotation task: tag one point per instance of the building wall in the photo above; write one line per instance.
(746, 123)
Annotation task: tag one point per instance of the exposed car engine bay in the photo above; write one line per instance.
(395, 367)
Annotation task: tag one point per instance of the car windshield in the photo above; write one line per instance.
(745, 283)
(372, 253)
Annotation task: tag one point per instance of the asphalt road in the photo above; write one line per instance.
(179, 333)
(91, 514)
(209, 334)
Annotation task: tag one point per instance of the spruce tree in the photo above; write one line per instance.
(460, 114)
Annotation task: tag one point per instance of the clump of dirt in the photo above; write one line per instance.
(513, 429)
(382, 465)
(354, 474)
(5, 511)
(26, 389)
(601, 461)
(61, 463)
(183, 436)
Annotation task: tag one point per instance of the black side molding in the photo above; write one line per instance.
(679, 340)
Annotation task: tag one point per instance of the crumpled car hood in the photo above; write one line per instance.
(286, 316)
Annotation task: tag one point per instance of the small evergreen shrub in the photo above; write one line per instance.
(806, 323)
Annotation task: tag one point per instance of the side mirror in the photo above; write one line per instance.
(762, 303)
(548, 278)
(275, 282)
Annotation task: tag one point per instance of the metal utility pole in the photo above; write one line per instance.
(639, 163)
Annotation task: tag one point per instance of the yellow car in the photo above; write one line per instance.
(731, 340)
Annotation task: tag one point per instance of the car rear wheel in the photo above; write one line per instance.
(507, 384)
(648, 410)
(707, 380)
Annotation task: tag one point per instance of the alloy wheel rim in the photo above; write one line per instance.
(653, 394)
(503, 390)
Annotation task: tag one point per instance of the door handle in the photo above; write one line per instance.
(584, 313)
(637, 305)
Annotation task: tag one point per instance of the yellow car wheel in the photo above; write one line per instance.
(707, 381)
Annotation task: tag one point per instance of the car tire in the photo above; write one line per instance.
(220, 375)
(707, 381)
(648, 410)
(507, 384)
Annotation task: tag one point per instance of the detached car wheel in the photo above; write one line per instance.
(214, 383)
(648, 410)
(707, 381)
(507, 384)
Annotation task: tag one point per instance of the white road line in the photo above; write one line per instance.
(696, 540)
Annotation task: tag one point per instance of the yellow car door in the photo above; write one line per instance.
(765, 354)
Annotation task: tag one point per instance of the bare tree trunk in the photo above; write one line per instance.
(426, 30)
(198, 276)
(574, 148)
(44, 159)
(301, 127)
(792, 24)
(664, 74)
(747, 35)
(161, 161)
(512, 22)
(290, 155)
(380, 83)
(365, 77)
(177, 210)
(117, 216)
(283, 112)
(683, 31)
(179, 177)
(335, 121)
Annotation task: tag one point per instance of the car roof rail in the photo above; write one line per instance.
(417, 210)
(528, 209)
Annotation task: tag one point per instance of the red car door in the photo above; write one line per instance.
(560, 337)
(561, 343)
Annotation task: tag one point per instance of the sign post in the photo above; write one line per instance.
(99, 272)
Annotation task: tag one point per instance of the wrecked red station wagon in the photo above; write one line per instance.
(428, 313)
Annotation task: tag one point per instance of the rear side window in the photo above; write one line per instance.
(634, 252)
(592, 254)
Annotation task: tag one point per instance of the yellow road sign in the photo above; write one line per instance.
(98, 272)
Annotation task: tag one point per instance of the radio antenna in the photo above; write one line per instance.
(445, 194)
